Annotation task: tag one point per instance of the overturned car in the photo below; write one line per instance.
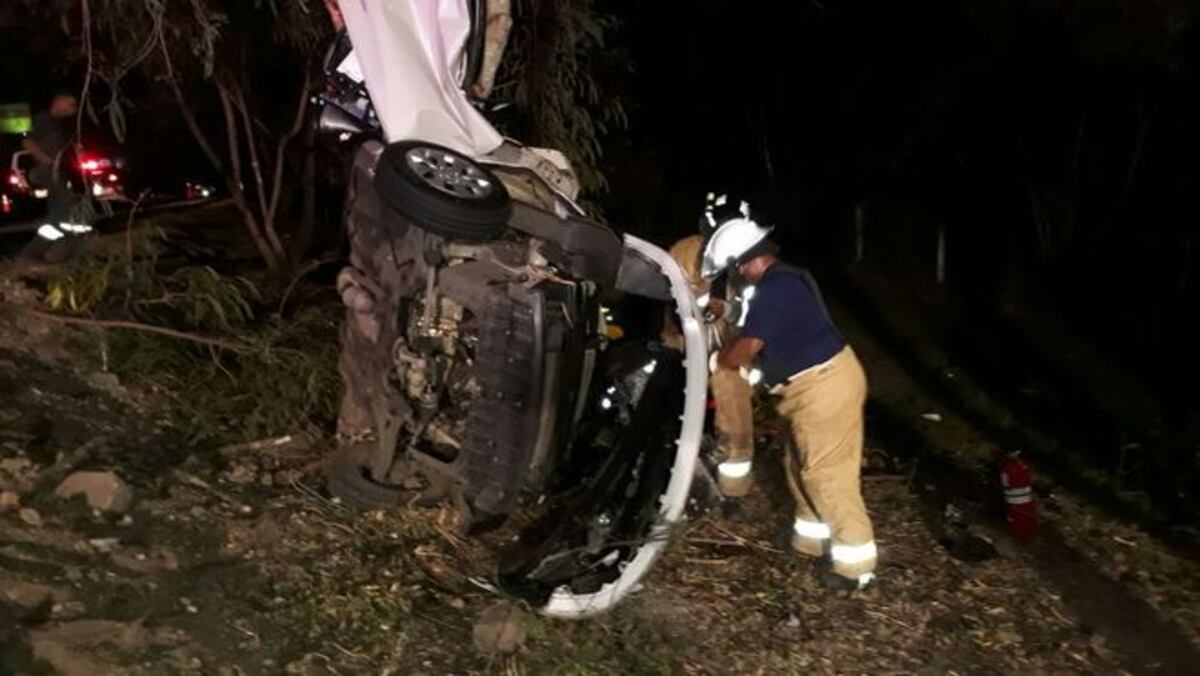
(501, 349)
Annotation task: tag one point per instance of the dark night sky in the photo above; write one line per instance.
(973, 115)
(868, 97)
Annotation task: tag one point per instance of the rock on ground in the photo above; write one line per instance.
(9, 500)
(28, 594)
(81, 648)
(30, 516)
(104, 490)
(499, 629)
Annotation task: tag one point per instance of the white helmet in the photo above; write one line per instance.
(734, 238)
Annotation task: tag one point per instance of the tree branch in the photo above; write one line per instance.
(231, 345)
(239, 100)
(236, 188)
(188, 117)
(297, 125)
(85, 16)
(267, 228)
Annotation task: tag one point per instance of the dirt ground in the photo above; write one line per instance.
(233, 561)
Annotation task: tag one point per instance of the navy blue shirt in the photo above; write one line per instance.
(787, 315)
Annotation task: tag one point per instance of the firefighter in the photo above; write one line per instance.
(49, 143)
(820, 388)
(734, 421)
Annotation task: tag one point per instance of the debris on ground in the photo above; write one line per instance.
(146, 562)
(8, 501)
(964, 545)
(27, 594)
(104, 491)
(17, 472)
(498, 629)
(30, 516)
(81, 647)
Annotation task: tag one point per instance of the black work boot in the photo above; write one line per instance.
(834, 582)
(733, 510)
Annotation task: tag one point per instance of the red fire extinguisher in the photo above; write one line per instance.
(1020, 508)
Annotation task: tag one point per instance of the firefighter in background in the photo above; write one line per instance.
(734, 421)
(50, 145)
(820, 388)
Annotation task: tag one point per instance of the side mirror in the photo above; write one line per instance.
(334, 119)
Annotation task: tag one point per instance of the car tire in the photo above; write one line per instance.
(442, 191)
(347, 479)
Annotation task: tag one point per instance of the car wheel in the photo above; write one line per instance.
(348, 479)
(442, 191)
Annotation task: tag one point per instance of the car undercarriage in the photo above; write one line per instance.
(516, 371)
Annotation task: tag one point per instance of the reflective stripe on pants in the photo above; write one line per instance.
(825, 410)
(50, 233)
(809, 536)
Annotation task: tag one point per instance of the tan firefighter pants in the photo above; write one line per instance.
(734, 422)
(825, 408)
(735, 431)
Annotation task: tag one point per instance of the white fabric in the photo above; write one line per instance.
(735, 469)
(411, 54)
(852, 554)
(814, 530)
(50, 232)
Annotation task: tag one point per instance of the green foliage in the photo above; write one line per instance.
(209, 300)
(187, 40)
(560, 74)
(284, 380)
(223, 396)
(79, 288)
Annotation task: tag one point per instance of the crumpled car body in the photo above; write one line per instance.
(500, 348)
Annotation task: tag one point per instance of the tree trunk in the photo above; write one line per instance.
(270, 255)
(272, 208)
(542, 45)
(308, 199)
